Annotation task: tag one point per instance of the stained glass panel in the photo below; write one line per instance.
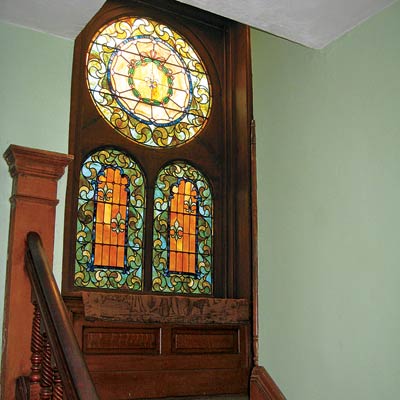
(148, 82)
(109, 242)
(182, 232)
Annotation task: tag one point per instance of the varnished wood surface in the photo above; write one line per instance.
(263, 387)
(66, 352)
(221, 151)
(33, 199)
(171, 309)
(184, 359)
(218, 397)
(22, 388)
(254, 243)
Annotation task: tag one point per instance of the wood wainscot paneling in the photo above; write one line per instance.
(192, 346)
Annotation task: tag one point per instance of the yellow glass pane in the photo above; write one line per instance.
(107, 213)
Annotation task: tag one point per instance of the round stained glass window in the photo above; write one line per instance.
(148, 82)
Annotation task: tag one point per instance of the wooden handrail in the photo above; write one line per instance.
(76, 381)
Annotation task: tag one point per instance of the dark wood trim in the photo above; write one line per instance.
(222, 150)
(22, 388)
(263, 387)
(254, 222)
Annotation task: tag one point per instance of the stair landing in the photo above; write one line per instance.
(219, 397)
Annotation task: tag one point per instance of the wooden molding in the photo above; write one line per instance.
(263, 387)
(33, 200)
(35, 162)
(169, 309)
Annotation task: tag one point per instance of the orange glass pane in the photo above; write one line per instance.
(117, 176)
(172, 261)
(182, 227)
(110, 175)
(98, 250)
(185, 262)
(111, 219)
(186, 239)
(100, 213)
(192, 262)
(106, 255)
(120, 256)
(113, 256)
(123, 194)
(179, 263)
(116, 193)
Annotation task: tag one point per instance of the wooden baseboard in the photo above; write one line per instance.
(263, 387)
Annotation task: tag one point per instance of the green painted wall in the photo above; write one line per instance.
(328, 143)
(35, 86)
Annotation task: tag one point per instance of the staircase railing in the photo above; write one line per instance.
(58, 370)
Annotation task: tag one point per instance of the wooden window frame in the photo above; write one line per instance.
(223, 149)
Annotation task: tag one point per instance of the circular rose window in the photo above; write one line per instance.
(148, 82)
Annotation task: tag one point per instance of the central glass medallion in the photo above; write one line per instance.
(148, 82)
(160, 86)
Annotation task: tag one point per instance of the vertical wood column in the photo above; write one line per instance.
(33, 200)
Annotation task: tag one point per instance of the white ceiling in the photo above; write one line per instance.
(313, 23)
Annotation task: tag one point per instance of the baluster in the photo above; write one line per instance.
(46, 381)
(36, 357)
(58, 387)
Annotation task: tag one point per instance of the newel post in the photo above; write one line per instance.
(33, 200)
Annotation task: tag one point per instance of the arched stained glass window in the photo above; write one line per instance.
(109, 241)
(183, 231)
(148, 82)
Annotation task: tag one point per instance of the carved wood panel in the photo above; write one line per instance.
(121, 341)
(142, 308)
(205, 341)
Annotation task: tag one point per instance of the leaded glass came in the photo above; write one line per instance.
(148, 82)
(182, 232)
(109, 241)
